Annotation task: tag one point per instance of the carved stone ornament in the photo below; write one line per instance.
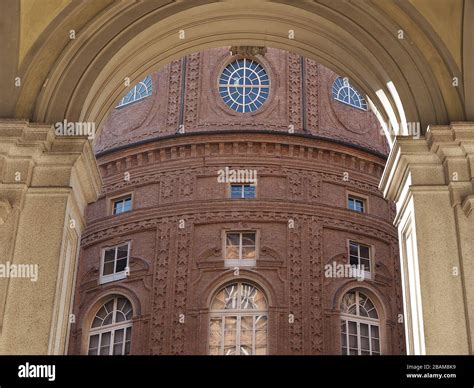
(248, 51)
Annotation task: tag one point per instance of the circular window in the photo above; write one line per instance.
(244, 85)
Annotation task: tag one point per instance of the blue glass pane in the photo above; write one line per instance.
(249, 192)
(127, 205)
(236, 191)
(139, 91)
(345, 93)
(244, 85)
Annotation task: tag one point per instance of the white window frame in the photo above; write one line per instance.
(239, 314)
(115, 275)
(360, 197)
(134, 90)
(240, 262)
(263, 87)
(121, 197)
(336, 90)
(367, 274)
(112, 331)
(111, 328)
(358, 320)
(243, 190)
(356, 200)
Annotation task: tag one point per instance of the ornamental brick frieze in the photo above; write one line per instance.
(305, 285)
(295, 285)
(187, 182)
(168, 187)
(174, 91)
(394, 250)
(180, 283)
(294, 91)
(118, 230)
(229, 149)
(185, 178)
(161, 281)
(351, 182)
(315, 231)
(303, 184)
(295, 186)
(192, 96)
(312, 97)
(102, 231)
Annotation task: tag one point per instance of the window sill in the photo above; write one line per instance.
(240, 263)
(118, 214)
(113, 277)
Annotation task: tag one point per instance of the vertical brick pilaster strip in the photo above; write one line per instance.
(295, 280)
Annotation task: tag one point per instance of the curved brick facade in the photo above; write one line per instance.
(181, 211)
(185, 93)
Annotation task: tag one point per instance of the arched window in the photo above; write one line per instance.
(342, 91)
(360, 327)
(140, 90)
(244, 85)
(238, 323)
(111, 329)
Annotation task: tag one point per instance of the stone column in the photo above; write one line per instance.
(46, 183)
(431, 181)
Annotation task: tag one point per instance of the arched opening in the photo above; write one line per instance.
(360, 325)
(111, 329)
(388, 51)
(238, 321)
(371, 56)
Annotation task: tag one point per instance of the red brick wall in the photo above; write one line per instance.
(204, 110)
(176, 271)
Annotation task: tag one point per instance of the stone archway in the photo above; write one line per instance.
(84, 77)
(409, 77)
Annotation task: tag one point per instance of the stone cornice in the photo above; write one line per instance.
(32, 137)
(444, 157)
(43, 159)
(468, 205)
(409, 155)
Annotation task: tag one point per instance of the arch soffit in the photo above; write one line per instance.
(87, 80)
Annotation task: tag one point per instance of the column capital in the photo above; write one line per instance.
(444, 157)
(410, 159)
(31, 155)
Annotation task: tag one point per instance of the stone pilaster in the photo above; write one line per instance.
(45, 184)
(431, 181)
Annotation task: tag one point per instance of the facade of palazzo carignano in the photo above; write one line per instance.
(240, 214)
(286, 179)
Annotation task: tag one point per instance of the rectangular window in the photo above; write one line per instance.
(122, 205)
(101, 343)
(359, 254)
(356, 204)
(359, 338)
(242, 191)
(240, 248)
(114, 263)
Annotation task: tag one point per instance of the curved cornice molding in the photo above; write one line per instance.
(127, 39)
(151, 218)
